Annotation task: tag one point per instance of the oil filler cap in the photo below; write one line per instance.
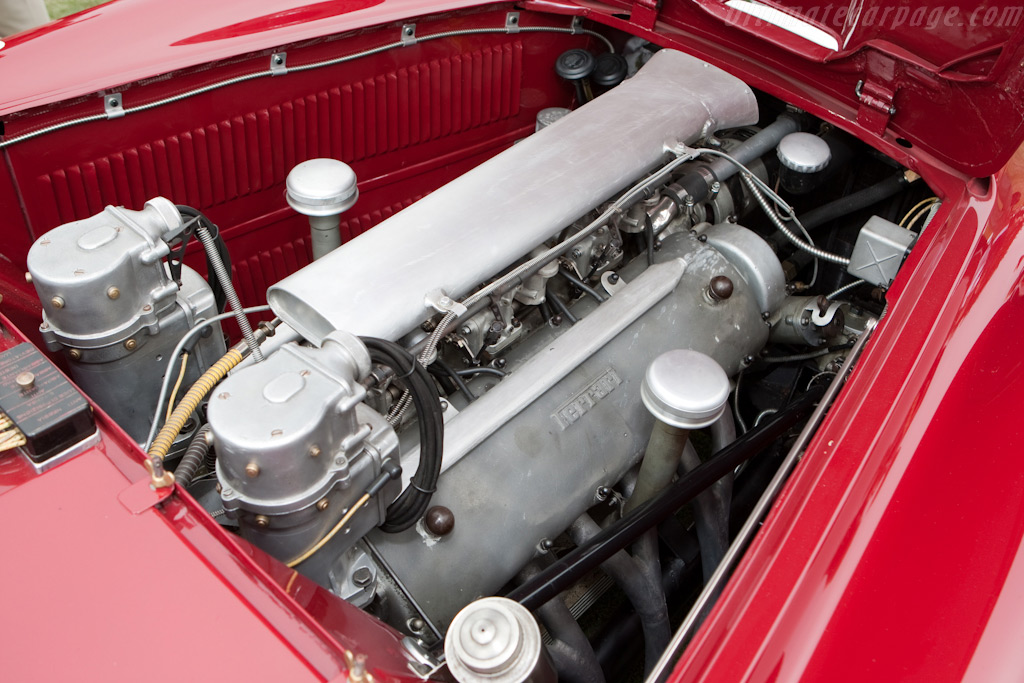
(321, 187)
(685, 389)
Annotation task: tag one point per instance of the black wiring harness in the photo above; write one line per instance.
(414, 500)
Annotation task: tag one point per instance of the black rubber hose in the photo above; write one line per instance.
(193, 458)
(582, 286)
(414, 500)
(643, 590)
(562, 308)
(469, 372)
(454, 376)
(570, 568)
(861, 199)
(571, 652)
(649, 236)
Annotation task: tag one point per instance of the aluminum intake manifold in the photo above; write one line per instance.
(470, 229)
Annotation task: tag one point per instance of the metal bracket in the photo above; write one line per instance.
(612, 282)
(442, 303)
(577, 25)
(512, 22)
(113, 107)
(279, 63)
(408, 35)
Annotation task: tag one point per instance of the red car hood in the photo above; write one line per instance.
(944, 79)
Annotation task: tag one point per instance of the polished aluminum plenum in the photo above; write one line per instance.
(472, 228)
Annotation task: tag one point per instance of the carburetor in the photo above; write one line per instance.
(297, 447)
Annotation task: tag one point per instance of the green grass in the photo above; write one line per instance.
(62, 8)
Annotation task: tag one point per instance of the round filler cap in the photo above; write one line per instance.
(572, 65)
(321, 187)
(804, 153)
(685, 389)
(492, 639)
(610, 70)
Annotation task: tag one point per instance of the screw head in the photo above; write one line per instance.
(113, 293)
(57, 302)
(25, 380)
(252, 470)
(314, 451)
(262, 521)
(131, 344)
(443, 404)
(415, 624)
(322, 504)
(613, 278)
(28, 278)
(464, 330)
(74, 354)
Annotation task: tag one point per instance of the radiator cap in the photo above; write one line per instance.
(685, 389)
(804, 152)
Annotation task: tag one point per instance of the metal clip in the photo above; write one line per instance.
(112, 106)
(442, 303)
(408, 35)
(577, 25)
(512, 22)
(278, 63)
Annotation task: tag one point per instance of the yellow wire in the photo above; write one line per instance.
(177, 385)
(917, 216)
(929, 201)
(332, 533)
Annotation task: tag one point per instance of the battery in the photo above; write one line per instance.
(44, 406)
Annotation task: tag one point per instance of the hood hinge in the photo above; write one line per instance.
(876, 93)
(644, 13)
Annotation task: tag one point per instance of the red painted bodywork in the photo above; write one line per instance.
(894, 553)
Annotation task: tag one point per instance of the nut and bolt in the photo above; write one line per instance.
(57, 302)
(443, 404)
(416, 624)
(252, 470)
(823, 304)
(130, 344)
(362, 576)
(613, 278)
(322, 504)
(747, 360)
(28, 278)
(262, 521)
(74, 354)
(556, 319)
(603, 492)
(577, 253)
(314, 451)
(499, 363)
(465, 331)
(113, 293)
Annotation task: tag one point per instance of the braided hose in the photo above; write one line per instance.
(792, 237)
(190, 401)
(229, 290)
(398, 410)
